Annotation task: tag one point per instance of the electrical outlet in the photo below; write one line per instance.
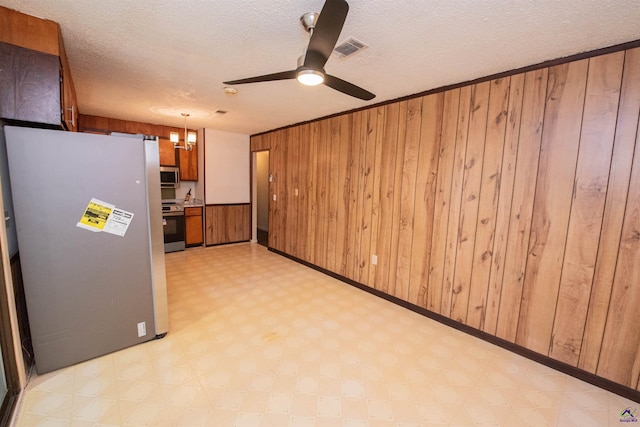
(295, 192)
(274, 197)
(374, 259)
(142, 329)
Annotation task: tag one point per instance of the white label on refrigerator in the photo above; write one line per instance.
(102, 216)
(118, 222)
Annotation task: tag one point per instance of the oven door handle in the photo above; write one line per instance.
(166, 214)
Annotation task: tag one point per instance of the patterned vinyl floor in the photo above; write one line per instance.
(259, 340)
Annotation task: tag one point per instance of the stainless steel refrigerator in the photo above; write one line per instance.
(89, 224)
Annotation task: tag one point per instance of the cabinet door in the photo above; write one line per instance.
(167, 153)
(29, 85)
(189, 164)
(193, 226)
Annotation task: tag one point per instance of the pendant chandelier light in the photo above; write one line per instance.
(189, 137)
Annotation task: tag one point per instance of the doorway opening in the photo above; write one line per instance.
(261, 197)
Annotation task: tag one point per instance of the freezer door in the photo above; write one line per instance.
(88, 293)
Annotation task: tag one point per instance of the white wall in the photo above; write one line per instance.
(227, 165)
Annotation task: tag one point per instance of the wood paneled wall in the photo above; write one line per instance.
(227, 224)
(511, 206)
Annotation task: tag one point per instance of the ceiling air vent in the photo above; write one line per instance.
(349, 47)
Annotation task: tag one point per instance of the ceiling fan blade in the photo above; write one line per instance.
(347, 88)
(284, 75)
(326, 33)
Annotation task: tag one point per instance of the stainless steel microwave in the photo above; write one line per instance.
(169, 177)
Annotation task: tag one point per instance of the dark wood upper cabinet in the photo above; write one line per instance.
(29, 85)
(36, 79)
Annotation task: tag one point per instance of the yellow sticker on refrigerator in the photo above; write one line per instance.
(102, 216)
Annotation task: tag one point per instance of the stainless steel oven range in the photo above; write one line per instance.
(173, 225)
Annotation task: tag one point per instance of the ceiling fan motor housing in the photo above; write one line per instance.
(308, 21)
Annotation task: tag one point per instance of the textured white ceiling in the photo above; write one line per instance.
(151, 60)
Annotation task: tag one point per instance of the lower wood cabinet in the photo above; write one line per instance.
(228, 223)
(193, 226)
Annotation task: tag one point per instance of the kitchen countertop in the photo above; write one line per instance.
(193, 203)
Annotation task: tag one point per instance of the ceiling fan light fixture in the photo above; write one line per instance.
(310, 77)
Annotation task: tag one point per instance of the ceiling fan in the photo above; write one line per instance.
(325, 29)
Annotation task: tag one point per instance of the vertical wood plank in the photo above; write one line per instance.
(470, 198)
(442, 204)
(533, 106)
(293, 170)
(274, 206)
(405, 222)
(303, 191)
(585, 220)
(387, 181)
(367, 172)
(283, 229)
(358, 139)
(344, 206)
(397, 197)
(353, 231)
(558, 154)
(427, 170)
(321, 229)
(333, 192)
(488, 202)
(381, 121)
(623, 149)
(313, 181)
(457, 185)
(503, 213)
